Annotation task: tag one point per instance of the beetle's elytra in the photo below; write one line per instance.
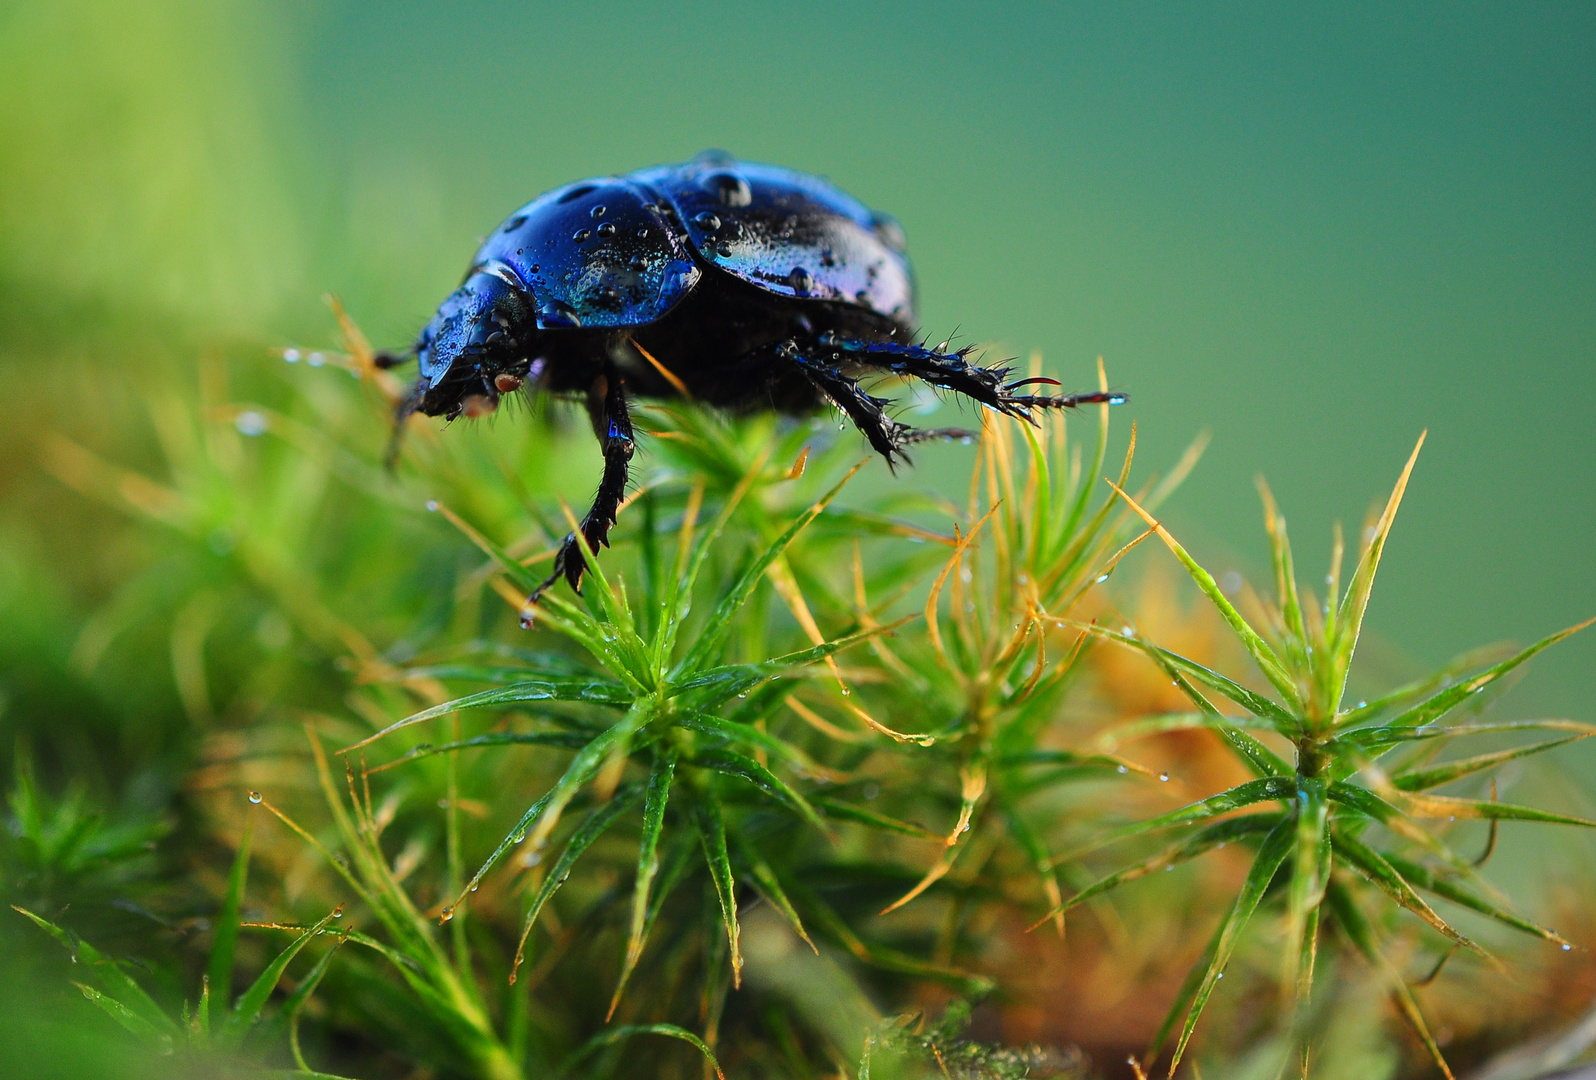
(744, 286)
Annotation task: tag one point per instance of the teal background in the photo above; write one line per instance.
(1314, 230)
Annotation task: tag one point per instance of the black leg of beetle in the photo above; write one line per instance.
(952, 371)
(887, 436)
(612, 423)
(407, 405)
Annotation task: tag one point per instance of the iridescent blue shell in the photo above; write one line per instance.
(614, 252)
(599, 253)
(789, 233)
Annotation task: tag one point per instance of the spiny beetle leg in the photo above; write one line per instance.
(952, 371)
(612, 423)
(887, 436)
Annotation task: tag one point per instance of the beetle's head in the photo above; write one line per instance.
(475, 347)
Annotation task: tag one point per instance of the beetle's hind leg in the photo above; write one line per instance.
(953, 371)
(869, 414)
(612, 423)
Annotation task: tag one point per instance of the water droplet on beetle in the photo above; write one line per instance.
(607, 229)
(557, 315)
(800, 280)
(515, 223)
(706, 221)
(729, 188)
(1120, 399)
(642, 232)
(598, 211)
(581, 235)
(250, 423)
(254, 796)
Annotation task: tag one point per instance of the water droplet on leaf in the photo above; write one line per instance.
(254, 796)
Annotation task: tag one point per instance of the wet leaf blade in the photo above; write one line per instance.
(720, 622)
(591, 828)
(1374, 868)
(1214, 835)
(246, 1012)
(1356, 927)
(577, 688)
(1256, 646)
(841, 811)
(1445, 773)
(767, 884)
(1242, 795)
(1254, 703)
(117, 981)
(1272, 853)
(732, 763)
(126, 1017)
(660, 777)
(1425, 878)
(626, 1031)
(712, 836)
(1444, 701)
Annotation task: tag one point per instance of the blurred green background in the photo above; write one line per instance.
(1314, 231)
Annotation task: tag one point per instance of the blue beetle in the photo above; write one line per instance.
(740, 285)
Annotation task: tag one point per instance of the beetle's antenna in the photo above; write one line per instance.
(387, 358)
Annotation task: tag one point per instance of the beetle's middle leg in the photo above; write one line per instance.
(952, 371)
(612, 423)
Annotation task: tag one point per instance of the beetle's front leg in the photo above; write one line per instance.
(612, 423)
